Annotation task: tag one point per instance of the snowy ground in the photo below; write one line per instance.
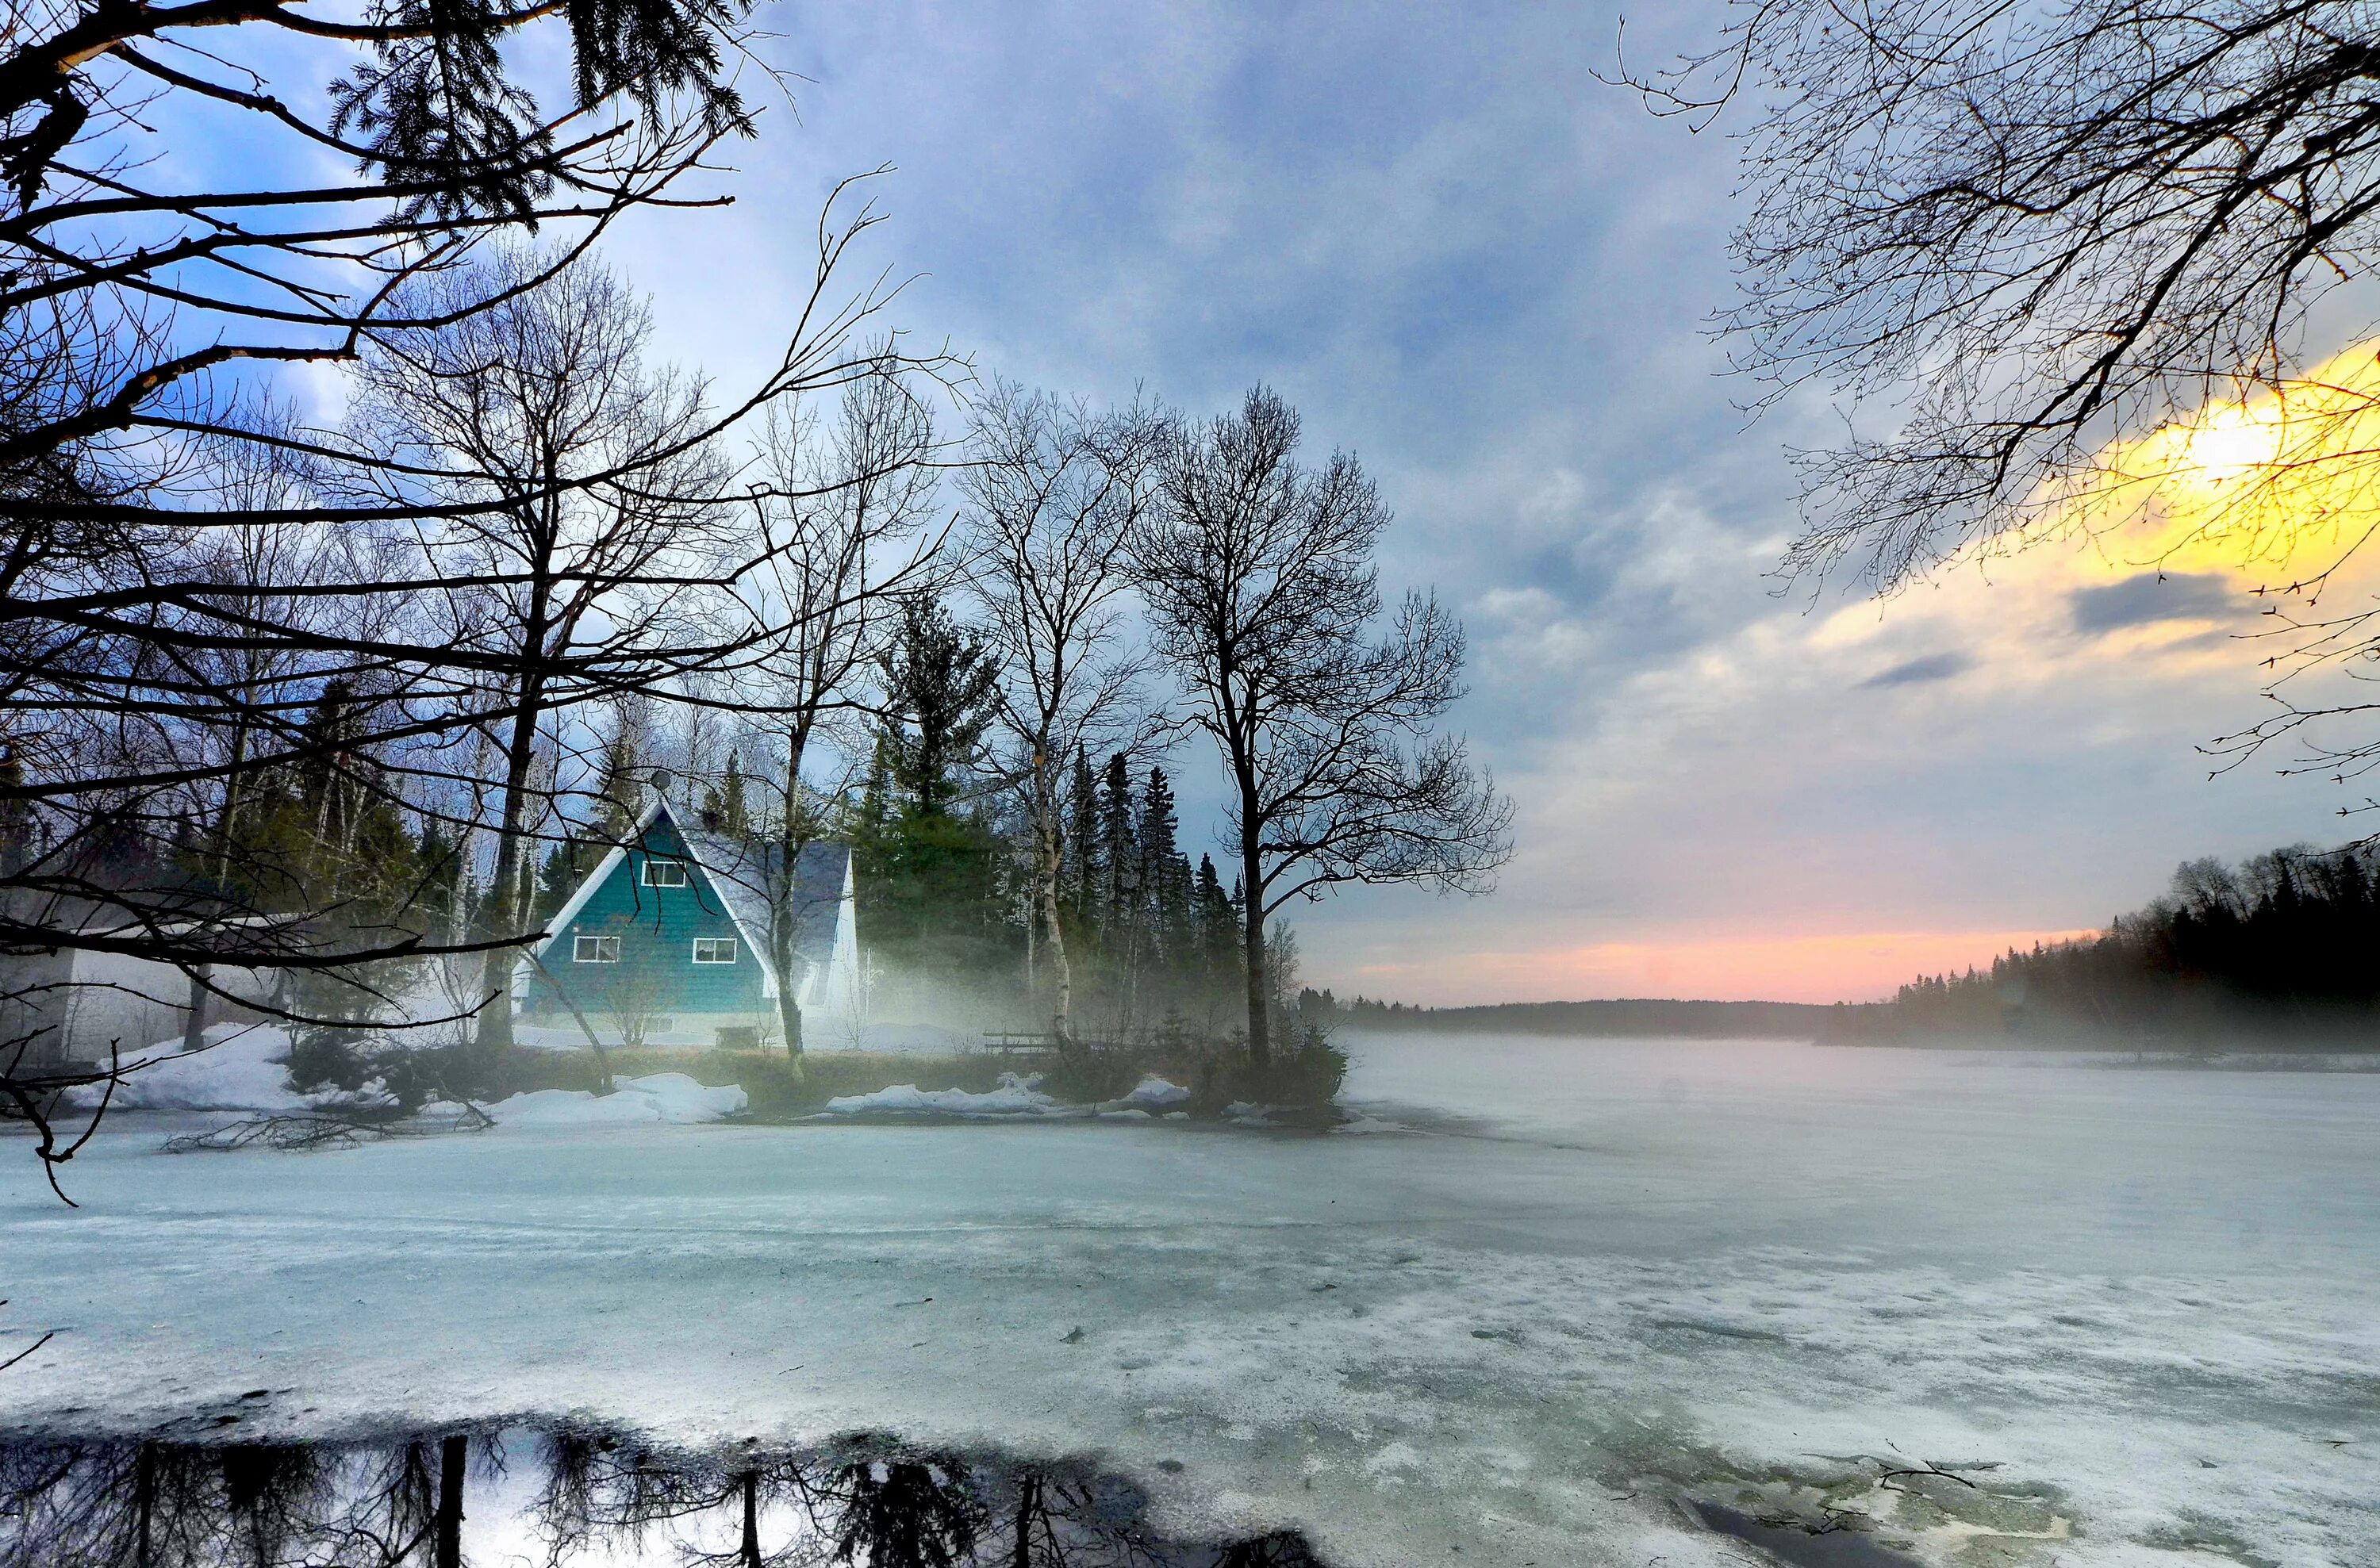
(1584, 1278)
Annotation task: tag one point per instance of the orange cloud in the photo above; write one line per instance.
(1849, 967)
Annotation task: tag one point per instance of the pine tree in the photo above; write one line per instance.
(933, 883)
(734, 811)
(938, 687)
(1164, 870)
(1119, 847)
(1218, 920)
(19, 832)
(1085, 868)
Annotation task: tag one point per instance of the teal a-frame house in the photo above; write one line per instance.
(667, 942)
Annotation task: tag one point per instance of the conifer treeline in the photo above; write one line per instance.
(944, 859)
(1153, 939)
(2284, 945)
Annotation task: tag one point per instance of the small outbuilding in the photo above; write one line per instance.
(667, 942)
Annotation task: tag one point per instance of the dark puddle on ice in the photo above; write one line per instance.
(573, 1497)
(1803, 1545)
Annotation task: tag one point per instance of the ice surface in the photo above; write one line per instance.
(1594, 1275)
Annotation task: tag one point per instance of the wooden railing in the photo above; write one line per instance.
(1039, 1042)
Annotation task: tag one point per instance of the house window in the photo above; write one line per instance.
(665, 874)
(714, 949)
(595, 949)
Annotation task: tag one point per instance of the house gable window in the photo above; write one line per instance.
(595, 949)
(714, 949)
(665, 874)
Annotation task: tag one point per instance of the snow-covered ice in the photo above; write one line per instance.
(1593, 1276)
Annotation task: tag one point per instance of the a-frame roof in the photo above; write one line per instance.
(736, 875)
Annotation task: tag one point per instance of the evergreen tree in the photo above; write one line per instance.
(1164, 870)
(566, 864)
(1218, 918)
(1086, 868)
(938, 687)
(933, 882)
(735, 810)
(1120, 848)
(445, 882)
(19, 834)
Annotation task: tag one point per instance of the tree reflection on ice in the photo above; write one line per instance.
(573, 1497)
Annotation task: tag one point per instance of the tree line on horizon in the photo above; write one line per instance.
(2278, 948)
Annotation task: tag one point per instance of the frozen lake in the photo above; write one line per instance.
(2135, 1307)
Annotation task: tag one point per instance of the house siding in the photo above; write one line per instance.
(657, 927)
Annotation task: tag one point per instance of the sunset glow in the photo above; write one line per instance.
(2276, 483)
(1854, 967)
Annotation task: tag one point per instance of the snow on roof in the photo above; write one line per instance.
(742, 873)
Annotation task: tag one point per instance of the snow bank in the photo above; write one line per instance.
(1156, 1094)
(1016, 1097)
(634, 1101)
(243, 1068)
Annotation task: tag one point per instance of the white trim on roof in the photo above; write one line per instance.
(611, 861)
(611, 858)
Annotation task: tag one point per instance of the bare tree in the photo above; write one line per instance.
(584, 506)
(2013, 237)
(1055, 492)
(850, 513)
(1261, 586)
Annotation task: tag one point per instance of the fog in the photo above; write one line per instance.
(1538, 1298)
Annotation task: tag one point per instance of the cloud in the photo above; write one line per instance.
(2153, 597)
(1490, 279)
(1918, 671)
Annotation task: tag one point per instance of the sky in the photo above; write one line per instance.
(1490, 276)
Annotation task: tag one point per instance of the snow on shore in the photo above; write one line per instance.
(243, 1068)
(661, 1097)
(1155, 1094)
(1017, 1096)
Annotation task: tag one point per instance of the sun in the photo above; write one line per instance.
(2230, 442)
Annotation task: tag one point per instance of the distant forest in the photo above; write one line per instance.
(2283, 949)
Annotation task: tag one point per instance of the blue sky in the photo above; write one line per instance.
(1489, 275)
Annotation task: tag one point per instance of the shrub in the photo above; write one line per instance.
(1305, 1073)
(1089, 1075)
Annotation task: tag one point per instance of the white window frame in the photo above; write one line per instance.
(594, 949)
(713, 943)
(675, 868)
